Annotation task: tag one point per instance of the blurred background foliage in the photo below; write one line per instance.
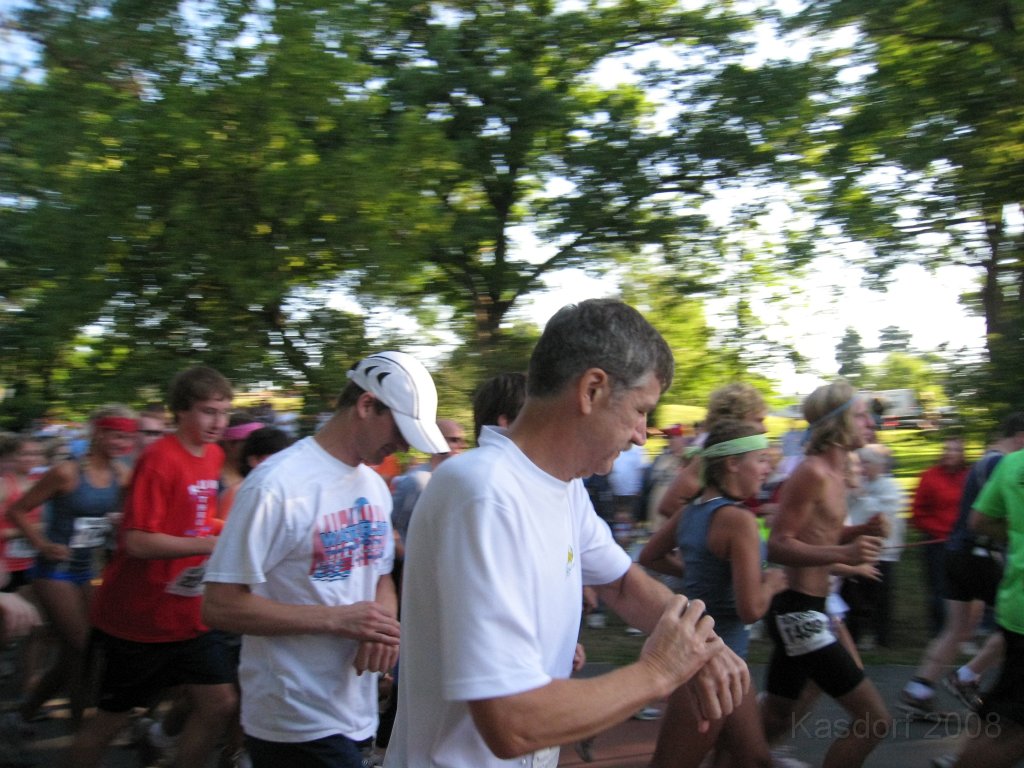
(276, 187)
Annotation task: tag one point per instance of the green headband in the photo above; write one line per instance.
(736, 446)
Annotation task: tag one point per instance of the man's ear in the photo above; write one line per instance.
(594, 385)
(365, 405)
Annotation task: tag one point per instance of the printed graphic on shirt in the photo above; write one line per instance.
(348, 539)
(203, 494)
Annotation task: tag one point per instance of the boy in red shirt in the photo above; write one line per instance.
(146, 613)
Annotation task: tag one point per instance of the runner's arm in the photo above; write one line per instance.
(660, 552)
(754, 586)
(150, 545)
(986, 525)
(682, 647)
(684, 486)
(234, 608)
(57, 480)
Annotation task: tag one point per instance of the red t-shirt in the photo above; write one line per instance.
(17, 549)
(158, 600)
(936, 502)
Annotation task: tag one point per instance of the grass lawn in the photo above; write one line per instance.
(913, 452)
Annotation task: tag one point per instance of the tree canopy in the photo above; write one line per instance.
(276, 188)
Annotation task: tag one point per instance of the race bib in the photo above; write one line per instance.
(804, 631)
(89, 532)
(546, 758)
(189, 582)
(20, 548)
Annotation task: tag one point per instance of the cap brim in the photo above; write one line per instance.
(421, 435)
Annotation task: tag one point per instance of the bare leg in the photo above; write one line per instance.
(990, 655)
(994, 751)
(869, 727)
(212, 708)
(781, 715)
(743, 736)
(961, 621)
(67, 606)
(680, 744)
(94, 737)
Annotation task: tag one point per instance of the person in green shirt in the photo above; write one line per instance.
(999, 513)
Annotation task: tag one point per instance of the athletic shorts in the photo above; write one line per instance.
(17, 580)
(806, 649)
(63, 570)
(134, 674)
(1006, 699)
(971, 576)
(329, 752)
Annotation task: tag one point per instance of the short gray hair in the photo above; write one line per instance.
(598, 333)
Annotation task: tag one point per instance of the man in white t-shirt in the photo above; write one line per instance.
(303, 570)
(502, 542)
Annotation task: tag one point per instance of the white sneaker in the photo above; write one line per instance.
(782, 757)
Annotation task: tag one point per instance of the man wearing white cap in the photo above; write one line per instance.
(303, 571)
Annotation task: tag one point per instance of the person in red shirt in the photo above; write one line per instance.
(146, 614)
(933, 512)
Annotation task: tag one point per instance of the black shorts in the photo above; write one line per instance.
(330, 752)
(17, 580)
(971, 576)
(134, 674)
(806, 649)
(1006, 699)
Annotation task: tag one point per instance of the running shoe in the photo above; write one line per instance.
(585, 749)
(969, 694)
(915, 706)
(782, 757)
(648, 713)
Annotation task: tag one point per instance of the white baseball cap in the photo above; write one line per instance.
(402, 383)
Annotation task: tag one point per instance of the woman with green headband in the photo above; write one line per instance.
(737, 400)
(721, 546)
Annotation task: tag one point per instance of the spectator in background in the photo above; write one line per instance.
(870, 600)
(239, 427)
(933, 512)
(258, 445)
(661, 472)
(497, 401)
(409, 486)
(152, 425)
(627, 481)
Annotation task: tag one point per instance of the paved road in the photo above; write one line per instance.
(909, 745)
(630, 744)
